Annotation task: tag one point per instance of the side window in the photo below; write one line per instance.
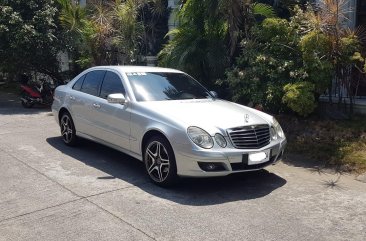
(92, 82)
(111, 84)
(78, 83)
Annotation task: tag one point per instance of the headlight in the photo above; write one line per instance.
(200, 137)
(276, 130)
(220, 140)
(273, 133)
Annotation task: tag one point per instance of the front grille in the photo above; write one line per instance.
(250, 137)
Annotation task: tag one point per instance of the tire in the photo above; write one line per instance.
(160, 162)
(68, 132)
(25, 101)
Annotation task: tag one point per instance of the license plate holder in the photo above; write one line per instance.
(259, 157)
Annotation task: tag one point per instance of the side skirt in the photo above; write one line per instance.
(118, 148)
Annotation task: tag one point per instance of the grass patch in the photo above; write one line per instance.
(340, 144)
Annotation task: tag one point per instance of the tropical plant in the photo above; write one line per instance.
(72, 15)
(313, 47)
(299, 97)
(128, 30)
(112, 32)
(331, 58)
(154, 16)
(198, 44)
(269, 60)
(240, 16)
(206, 41)
(96, 31)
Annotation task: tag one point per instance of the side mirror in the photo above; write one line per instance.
(214, 94)
(116, 99)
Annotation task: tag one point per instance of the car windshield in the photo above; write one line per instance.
(157, 86)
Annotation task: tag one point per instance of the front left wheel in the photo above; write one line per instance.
(160, 162)
(68, 131)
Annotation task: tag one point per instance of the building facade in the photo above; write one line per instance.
(361, 12)
(357, 19)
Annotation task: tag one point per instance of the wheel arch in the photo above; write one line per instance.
(62, 111)
(148, 135)
(171, 176)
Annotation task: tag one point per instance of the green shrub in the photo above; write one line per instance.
(299, 97)
(316, 53)
(291, 63)
(270, 60)
(274, 29)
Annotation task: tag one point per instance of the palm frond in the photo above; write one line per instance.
(333, 13)
(359, 32)
(158, 7)
(71, 15)
(263, 10)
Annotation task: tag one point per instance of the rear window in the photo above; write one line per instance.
(78, 83)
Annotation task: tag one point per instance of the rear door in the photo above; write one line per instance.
(83, 101)
(76, 103)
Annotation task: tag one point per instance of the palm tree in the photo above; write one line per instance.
(72, 15)
(207, 38)
(198, 44)
(154, 15)
(103, 31)
(330, 19)
(240, 16)
(128, 30)
(110, 32)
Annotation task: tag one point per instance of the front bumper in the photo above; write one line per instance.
(231, 160)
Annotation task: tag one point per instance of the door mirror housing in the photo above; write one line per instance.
(116, 99)
(214, 94)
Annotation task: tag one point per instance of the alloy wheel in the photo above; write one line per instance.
(157, 161)
(67, 129)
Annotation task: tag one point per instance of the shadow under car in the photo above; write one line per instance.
(189, 191)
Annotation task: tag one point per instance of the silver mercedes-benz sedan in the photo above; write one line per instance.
(168, 120)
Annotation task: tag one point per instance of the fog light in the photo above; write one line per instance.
(211, 166)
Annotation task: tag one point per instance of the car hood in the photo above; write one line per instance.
(210, 115)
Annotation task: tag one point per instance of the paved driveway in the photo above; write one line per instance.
(52, 192)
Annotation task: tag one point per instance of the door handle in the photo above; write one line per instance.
(72, 97)
(96, 105)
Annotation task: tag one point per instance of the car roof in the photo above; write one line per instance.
(131, 68)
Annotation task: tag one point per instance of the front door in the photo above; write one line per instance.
(112, 119)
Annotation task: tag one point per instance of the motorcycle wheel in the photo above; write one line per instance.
(25, 101)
